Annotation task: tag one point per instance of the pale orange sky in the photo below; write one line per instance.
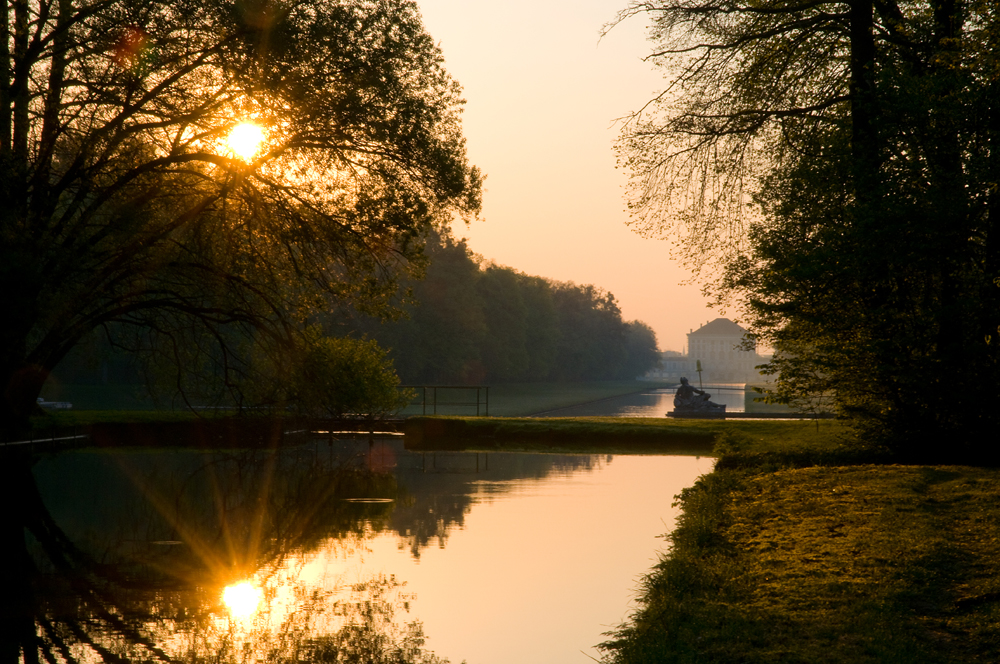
(543, 94)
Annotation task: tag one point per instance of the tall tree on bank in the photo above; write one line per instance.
(124, 202)
(837, 162)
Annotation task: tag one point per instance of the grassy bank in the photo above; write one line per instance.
(619, 434)
(826, 563)
(79, 418)
(113, 396)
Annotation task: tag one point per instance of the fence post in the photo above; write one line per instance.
(482, 397)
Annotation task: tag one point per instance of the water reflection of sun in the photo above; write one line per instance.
(241, 599)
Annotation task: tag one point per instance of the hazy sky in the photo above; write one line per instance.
(543, 94)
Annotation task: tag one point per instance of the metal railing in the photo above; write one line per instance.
(434, 396)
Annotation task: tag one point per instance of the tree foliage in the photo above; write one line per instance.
(471, 322)
(331, 377)
(122, 206)
(839, 161)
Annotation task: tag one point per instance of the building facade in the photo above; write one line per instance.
(717, 346)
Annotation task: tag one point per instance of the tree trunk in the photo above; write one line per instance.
(17, 607)
(951, 219)
(5, 98)
(21, 386)
(864, 121)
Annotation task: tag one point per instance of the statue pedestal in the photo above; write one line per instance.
(716, 413)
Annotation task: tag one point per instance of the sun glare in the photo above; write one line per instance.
(245, 139)
(241, 599)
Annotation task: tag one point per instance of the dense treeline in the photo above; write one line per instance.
(466, 321)
(862, 137)
(470, 321)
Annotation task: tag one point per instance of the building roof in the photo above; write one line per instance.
(720, 327)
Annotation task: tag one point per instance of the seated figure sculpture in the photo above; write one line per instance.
(690, 399)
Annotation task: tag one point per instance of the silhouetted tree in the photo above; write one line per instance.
(505, 345)
(541, 326)
(333, 377)
(122, 204)
(440, 339)
(591, 333)
(469, 323)
(641, 350)
(866, 133)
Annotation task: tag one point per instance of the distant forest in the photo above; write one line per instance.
(466, 322)
(470, 321)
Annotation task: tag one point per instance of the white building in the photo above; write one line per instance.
(716, 345)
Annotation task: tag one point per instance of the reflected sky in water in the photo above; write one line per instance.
(486, 558)
(540, 567)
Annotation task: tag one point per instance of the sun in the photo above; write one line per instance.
(245, 140)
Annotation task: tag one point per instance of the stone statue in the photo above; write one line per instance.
(690, 399)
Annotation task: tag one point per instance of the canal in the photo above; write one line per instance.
(340, 547)
(651, 403)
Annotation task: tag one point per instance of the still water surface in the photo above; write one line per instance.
(501, 557)
(653, 403)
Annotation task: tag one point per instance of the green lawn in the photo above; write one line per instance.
(806, 438)
(874, 563)
(69, 422)
(98, 397)
(521, 399)
(116, 403)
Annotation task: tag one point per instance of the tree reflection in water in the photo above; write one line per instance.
(439, 499)
(143, 581)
